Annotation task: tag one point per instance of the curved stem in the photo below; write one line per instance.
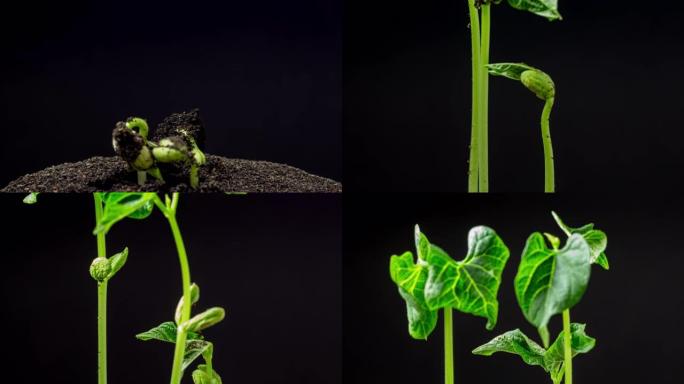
(101, 300)
(448, 347)
(177, 372)
(473, 166)
(549, 176)
(483, 163)
(567, 346)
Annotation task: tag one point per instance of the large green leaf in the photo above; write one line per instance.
(597, 240)
(410, 279)
(470, 285)
(119, 205)
(544, 8)
(551, 360)
(550, 281)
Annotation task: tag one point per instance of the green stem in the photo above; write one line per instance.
(101, 301)
(181, 336)
(142, 177)
(483, 162)
(549, 177)
(473, 166)
(567, 346)
(448, 347)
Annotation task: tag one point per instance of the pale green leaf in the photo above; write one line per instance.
(597, 240)
(31, 198)
(544, 8)
(514, 342)
(117, 261)
(512, 71)
(470, 285)
(194, 349)
(167, 332)
(550, 281)
(410, 279)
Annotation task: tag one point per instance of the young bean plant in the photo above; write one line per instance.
(130, 141)
(543, 87)
(480, 30)
(550, 281)
(435, 281)
(184, 332)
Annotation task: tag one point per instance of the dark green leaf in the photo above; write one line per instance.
(597, 240)
(514, 342)
(31, 198)
(410, 279)
(119, 205)
(510, 70)
(470, 285)
(544, 8)
(165, 332)
(549, 281)
(117, 261)
(555, 355)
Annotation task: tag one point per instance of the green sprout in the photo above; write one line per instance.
(544, 88)
(130, 142)
(435, 281)
(480, 30)
(550, 281)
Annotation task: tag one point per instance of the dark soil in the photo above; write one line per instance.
(219, 174)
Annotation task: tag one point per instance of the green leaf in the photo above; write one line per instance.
(119, 205)
(552, 359)
(470, 285)
(202, 375)
(514, 342)
(194, 297)
(206, 319)
(555, 356)
(143, 212)
(31, 198)
(422, 243)
(117, 261)
(597, 240)
(544, 8)
(167, 332)
(549, 281)
(410, 279)
(512, 71)
(194, 349)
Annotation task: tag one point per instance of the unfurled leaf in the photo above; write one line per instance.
(514, 342)
(410, 279)
(544, 8)
(119, 205)
(470, 285)
(194, 349)
(31, 198)
(143, 212)
(551, 360)
(167, 332)
(550, 281)
(597, 240)
(512, 71)
(555, 355)
(117, 261)
(194, 297)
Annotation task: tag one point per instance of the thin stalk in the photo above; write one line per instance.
(567, 346)
(142, 177)
(101, 301)
(483, 162)
(170, 213)
(473, 166)
(549, 175)
(448, 347)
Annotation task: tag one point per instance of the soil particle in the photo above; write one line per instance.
(219, 174)
(188, 122)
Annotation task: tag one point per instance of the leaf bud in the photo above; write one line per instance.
(194, 297)
(539, 83)
(205, 319)
(100, 269)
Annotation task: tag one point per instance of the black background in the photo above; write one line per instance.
(265, 74)
(616, 123)
(273, 262)
(633, 310)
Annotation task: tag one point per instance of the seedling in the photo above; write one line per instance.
(184, 332)
(480, 27)
(543, 87)
(130, 142)
(550, 281)
(435, 281)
